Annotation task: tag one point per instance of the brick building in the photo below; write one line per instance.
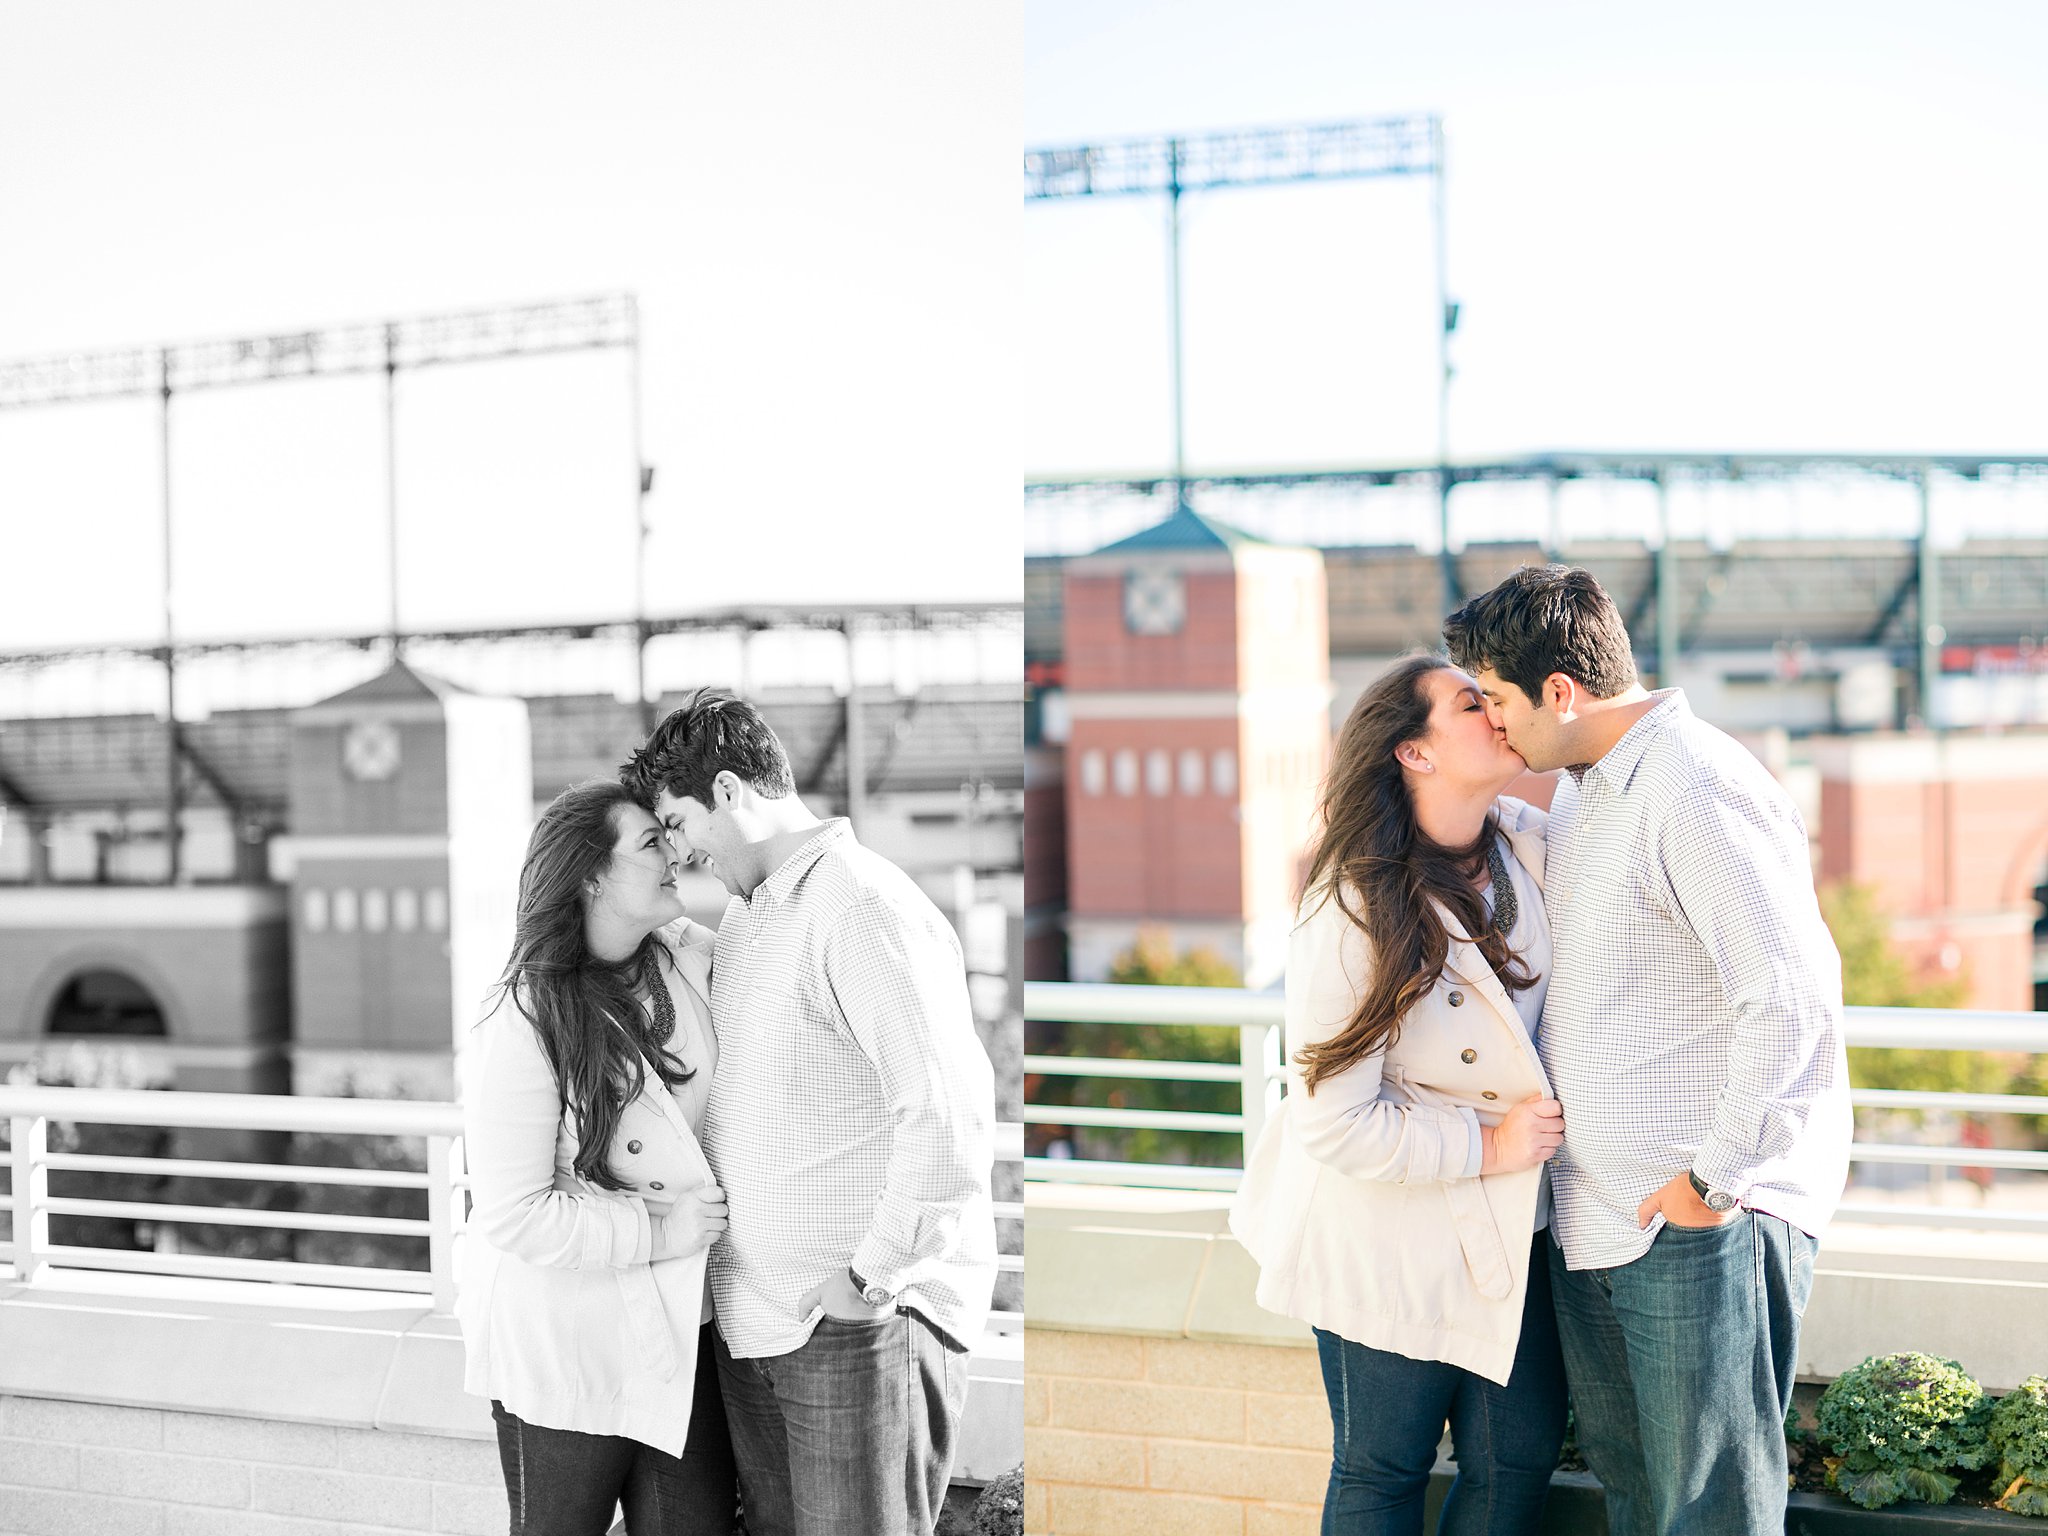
(1196, 705)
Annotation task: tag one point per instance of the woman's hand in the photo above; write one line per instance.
(692, 1224)
(1530, 1134)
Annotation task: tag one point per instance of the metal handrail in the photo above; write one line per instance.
(31, 1108)
(1260, 1074)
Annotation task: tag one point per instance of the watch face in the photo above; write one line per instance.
(1155, 602)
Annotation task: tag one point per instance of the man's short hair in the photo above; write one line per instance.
(711, 732)
(1545, 619)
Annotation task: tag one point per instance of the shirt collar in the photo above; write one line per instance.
(785, 875)
(1621, 760)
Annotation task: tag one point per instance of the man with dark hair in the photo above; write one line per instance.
(851, 1125)
(1693, 1032)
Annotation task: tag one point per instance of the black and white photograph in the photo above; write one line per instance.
(511, 772)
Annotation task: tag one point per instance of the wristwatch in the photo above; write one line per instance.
(1719, 1201)
(873, 1295)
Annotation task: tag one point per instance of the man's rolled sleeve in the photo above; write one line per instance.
(900, 985)
(1737, 871)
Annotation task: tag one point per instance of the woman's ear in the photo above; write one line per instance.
(1411, 756)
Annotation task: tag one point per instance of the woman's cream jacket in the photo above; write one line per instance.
(1356, 1204)
(564, 1318)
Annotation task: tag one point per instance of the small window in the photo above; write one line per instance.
(1190, 772)
(1126, 772)
(405, 910)
(436, 910)
(1158, 774)
(344, 911)
(376, 911)
(1223, 772)
(313, 911)
(1094, 778)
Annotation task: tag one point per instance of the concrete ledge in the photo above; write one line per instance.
(310, 1356)
(1162, 1264)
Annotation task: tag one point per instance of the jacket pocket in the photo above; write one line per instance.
(1486, 1256)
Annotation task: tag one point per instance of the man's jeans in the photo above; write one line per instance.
(852, 1432)
(1388, 1414)
(1680, 1366)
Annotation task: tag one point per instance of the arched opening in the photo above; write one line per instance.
(102, 1003)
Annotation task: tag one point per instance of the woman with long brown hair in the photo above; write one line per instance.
(584, 1313)
(1396, 1200)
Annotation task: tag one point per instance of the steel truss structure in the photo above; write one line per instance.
(385, 346)
(1921, 588)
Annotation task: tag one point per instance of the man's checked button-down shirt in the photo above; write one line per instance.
(1694, 1018)
(851, 1120)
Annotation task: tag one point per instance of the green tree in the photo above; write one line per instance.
(1151, 960)
(1876, 975)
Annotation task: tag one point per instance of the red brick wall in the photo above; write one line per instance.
(1101, 655)
(1157, 856)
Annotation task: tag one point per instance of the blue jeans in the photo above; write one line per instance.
(561, 1482)
(1388, 1414)
(849, 1434)
(1681, 1371)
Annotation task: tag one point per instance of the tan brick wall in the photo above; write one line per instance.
(1128, 1436)
(87, 1469)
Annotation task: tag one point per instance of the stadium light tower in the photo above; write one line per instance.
(1410, 145)
(386, 347)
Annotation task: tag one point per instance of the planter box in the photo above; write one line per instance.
(1577, 1507)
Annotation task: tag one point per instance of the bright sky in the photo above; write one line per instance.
(815, 202)
(1764, 226)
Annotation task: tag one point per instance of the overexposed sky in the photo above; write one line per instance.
(1755, 227)
(816, 204)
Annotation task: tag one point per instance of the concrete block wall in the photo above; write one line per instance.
(91, 1469)
(1172, 1437)
(1161, 1400)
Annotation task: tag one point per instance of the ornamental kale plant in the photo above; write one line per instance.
(1899, 1426)
(2019, 1439)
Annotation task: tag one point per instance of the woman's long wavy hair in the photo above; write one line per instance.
(583, 1009)
(1371, 858)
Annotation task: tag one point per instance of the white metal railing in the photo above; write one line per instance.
(30, 1111)
(1260, 1076)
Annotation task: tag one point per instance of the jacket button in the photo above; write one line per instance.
(1456, 999)
(632, 1146)
(1468, 1055)
(657, 1183)
(1484, 1093)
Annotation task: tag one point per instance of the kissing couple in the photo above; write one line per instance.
(732, 1236)
(1568, 1102)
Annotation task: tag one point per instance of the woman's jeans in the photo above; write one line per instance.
(1681, 1368)
(564, 1483)
(1388, 1412)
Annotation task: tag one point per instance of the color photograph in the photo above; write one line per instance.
(1536, 769)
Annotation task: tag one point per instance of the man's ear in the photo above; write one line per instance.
(725, 789)
(1561, 695)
